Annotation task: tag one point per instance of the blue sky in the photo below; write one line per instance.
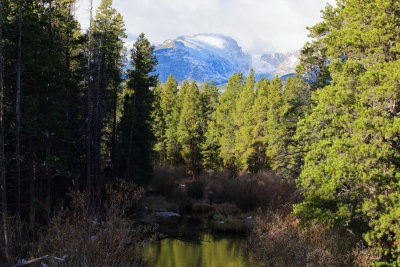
(258, 26)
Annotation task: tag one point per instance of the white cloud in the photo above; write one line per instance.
(258, 25)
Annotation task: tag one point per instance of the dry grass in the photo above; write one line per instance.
(97, 238)
(249, 192)
(279, 240)
(226, 209)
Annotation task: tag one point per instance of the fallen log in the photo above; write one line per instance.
(46, 257)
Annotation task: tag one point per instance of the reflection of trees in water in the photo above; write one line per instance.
(211, 251)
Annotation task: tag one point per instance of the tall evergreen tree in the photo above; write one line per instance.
(257, 158)
(209, 97)
(168, 103)
(274, 119)
(158, 126)
(286, 151)
(3, 181)
(89, 142)
(209, 100)
(109, 59)
(225, 125)
(18, 115)
(244, 120)
(168, 96)
(189, 128)
(136, 134)
(351, 172)
(173, 146)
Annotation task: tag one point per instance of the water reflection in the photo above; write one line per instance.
(210, 251)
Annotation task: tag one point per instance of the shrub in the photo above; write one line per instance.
(217, 189)
(226, 209)
(250, 192)
(197, 188)
(97, 238)
(278, 240)
(165, 180)
(245, 192)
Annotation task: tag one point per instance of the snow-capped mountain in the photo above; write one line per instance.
(211, 57)
(202, 57)
(267, 63)
(289, 64)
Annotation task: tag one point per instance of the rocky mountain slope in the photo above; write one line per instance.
(213, 57)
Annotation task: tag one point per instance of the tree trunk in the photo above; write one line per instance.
(89, 107)
(98, 118)
(97, 122)
(18, 114)
(3, 186)
(130, 149)
(47, 175)
(114, 135)
(32, 183)
(68, 74)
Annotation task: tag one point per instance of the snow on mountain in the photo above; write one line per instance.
(211, 57)
(202, 57)
(267, 63)
(261, 66)
(289, 64)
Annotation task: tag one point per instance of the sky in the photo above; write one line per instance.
(259, 26)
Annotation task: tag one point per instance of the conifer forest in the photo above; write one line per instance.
(94, 148)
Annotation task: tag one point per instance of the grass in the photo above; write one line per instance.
(88, 236)
(278, 239)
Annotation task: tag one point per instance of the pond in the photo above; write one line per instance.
(210, 250)
(190, 243)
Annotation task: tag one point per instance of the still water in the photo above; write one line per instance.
(207, 251)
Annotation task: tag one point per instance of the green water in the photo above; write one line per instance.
(209, 251)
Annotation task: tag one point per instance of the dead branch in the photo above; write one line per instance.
(46, 257)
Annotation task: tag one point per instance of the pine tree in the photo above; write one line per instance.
(244, 121)
(209, 100)
(109, 59)
(225, 125)
(168, 96)
(351, 173)
(168, 102)
(189, 128)
(158, 126)
(18, 115)
(89, 142)
(181, 94)
(274, 119)
(209, 96)
(257, 158)
(136, 134)
(173, 146)
(3, 181)
(289, 154)
(44, 74)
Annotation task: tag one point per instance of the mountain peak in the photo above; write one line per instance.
(209, 41)
(212, 57)
(167, 44)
